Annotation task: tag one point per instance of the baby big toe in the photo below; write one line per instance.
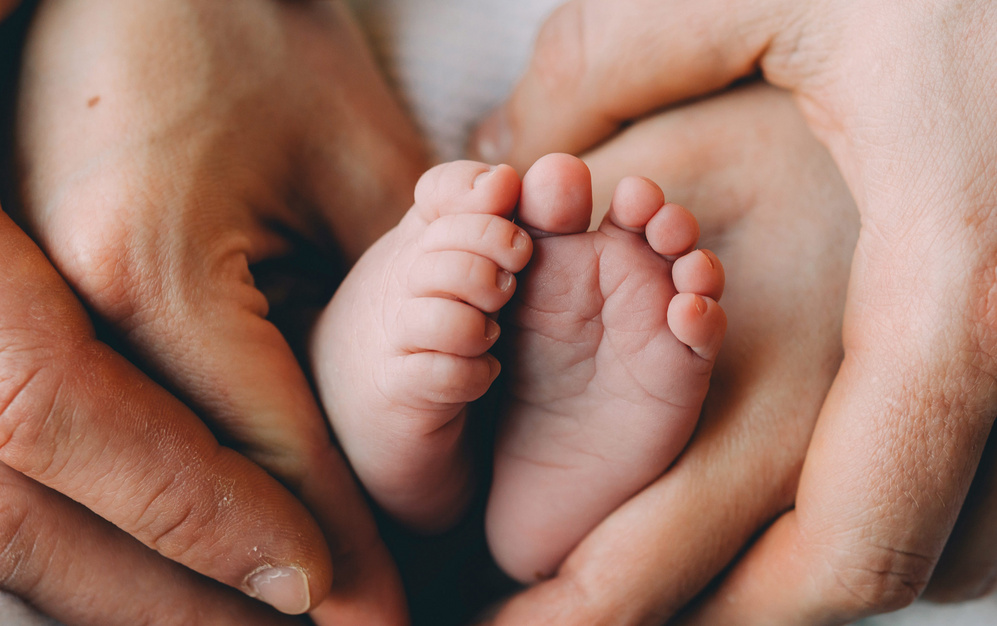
(474, 279)
(557, 196)
(698, 322)
(467, 187)
(699, 272)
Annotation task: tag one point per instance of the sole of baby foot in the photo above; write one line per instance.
(612, 337)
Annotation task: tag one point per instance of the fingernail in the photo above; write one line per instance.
(709, 259)
(283, 588)
(494, 367)
(480, 178)
(701, 305)
(491, 330)
(520, 240)
(503, 280)
(493, 141)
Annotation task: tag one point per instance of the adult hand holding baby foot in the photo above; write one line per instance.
(783, 226)
(898, 92)
(163, 148)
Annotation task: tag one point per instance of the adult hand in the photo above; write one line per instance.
(901, 93)
(162, 148)
(772, 205)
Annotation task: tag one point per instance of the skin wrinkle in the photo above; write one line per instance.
(30, 455)
(13, 392)
(14, 558)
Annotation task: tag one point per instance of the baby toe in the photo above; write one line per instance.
(441, 378)
(635, 201)
(699, 272)
(474, 279)
(698, 322)
(444, 325)
(490, 236)
(557, 196)
(467, 187)
(673, 230)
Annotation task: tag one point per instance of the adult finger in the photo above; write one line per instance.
(785, 239)
(80, 419)
(56, 552)
(837, 558)
(157, 244)
(154, 219)
(900, 434)
(904, 424)
(201, 327)
(866, 535)
(598, 64)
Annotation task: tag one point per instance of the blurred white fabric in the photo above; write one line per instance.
(452, 60)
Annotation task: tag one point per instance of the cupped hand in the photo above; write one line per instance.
(901, 93)
(162, 148)
(772, 206)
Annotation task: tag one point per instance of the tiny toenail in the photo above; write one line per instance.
(520, 240)
(701, 305)
(480, 178)
(491, 330)
(709, 259)
(503, 280)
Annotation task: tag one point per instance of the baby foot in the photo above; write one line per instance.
(613, 336)
(402, 347)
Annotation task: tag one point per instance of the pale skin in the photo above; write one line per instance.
(612, 336)
(897, 92)
(623, 319)
(162, 148)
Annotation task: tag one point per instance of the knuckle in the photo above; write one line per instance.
(874, 579)
(29, 415)
(107, 256)
(179, 515)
